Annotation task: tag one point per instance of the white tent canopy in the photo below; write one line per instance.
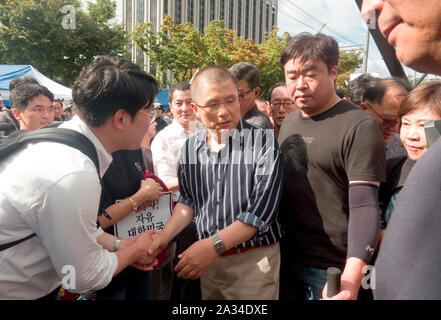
(10, 72)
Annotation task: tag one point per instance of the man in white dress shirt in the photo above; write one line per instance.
(53, 191)
(167, 144)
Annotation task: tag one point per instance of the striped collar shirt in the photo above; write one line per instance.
(240, 182)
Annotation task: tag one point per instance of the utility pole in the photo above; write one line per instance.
(366, 52)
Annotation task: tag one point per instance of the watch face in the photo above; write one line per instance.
(220, 248)
(218, 244)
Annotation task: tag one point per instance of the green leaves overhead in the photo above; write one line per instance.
(183, 49)
(57, 36)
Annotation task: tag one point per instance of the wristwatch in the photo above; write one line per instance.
(218, 244)
(117, 242)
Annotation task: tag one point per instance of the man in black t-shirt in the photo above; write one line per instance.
(334, 160)
(161, 123)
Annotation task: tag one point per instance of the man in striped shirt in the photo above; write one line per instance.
(230, 180)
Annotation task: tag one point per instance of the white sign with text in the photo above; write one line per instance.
(154, 217)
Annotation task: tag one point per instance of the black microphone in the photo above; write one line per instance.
(333, 277)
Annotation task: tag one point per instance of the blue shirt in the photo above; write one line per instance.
(240, 182)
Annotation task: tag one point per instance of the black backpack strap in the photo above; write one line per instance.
(72, 138)
(13, 243)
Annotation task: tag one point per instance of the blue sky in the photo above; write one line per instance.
(340, 19)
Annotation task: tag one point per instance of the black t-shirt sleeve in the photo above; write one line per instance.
(365, 152)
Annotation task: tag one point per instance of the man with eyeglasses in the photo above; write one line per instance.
(249, 77)
(230, 181)
(57, 198)
(280, 104)
(382, 102)
(124, 179)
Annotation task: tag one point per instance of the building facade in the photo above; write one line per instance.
(251, 19)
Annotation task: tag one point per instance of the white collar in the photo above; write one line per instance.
(105, 159)
(195, 126)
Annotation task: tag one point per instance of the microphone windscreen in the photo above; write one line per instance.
(333, 277)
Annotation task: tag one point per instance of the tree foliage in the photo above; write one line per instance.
(32, 32)
(272, 70)
(183, 49)
(348, 62)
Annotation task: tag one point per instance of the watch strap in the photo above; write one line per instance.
(117, 243)
(218, 244)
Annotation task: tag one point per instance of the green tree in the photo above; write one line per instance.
(175, 47)
(34, 32)
(348, 62)
(272, 50)
(183, 49)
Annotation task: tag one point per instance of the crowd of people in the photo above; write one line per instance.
(267, 192)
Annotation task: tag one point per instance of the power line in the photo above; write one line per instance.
(351, 46)
(316, 29)
(319, 24)
(301, 22)
(305, 13)
(322, 25)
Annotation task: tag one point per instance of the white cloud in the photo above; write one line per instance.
(343, 22)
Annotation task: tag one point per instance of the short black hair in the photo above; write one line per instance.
(396, 81)
(377, 92)
(246, 71)
(109, 84)
(25, 92)
(357, 87)
(340, 93)
(60, 102)
(306, 47)
(180, 86)
(19, 81)
(270, 91)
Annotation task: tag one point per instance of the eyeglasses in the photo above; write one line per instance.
(241, 95)
(152, 115)
(286, 104)
(385, 122)
(215, 106)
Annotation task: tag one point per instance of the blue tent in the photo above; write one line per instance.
(162, 97)
(10, 72)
